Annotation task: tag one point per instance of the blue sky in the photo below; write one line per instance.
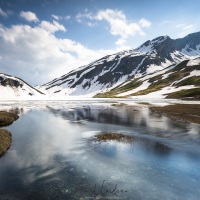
(44, 39)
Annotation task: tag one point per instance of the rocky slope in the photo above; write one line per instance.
(15, 88)
(179, 81)
(112, 70)
(162, 67)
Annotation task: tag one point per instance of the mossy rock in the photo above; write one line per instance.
(114, 136)
(7, 118)
(5, 141)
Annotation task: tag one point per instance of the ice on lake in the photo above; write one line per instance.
(53, 156)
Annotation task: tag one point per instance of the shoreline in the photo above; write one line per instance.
(180, 112)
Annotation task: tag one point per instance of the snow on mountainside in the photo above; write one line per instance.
(177, 81)
(112, 70)
(162, 67)
(12, 88)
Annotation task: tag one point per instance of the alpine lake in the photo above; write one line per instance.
(54, 153)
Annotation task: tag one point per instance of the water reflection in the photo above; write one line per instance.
(132, 116)
(53, 156)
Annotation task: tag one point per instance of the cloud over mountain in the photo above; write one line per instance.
(29, 16)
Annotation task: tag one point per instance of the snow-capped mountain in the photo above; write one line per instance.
(15, 88)
(181, 81)
(112, 70)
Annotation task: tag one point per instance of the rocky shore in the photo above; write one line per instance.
(6, 119)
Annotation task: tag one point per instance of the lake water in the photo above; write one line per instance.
(53, 155)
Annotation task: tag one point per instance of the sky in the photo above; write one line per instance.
(44, 39)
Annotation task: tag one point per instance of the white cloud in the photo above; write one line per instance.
(185, 29)
(118, 24)
(120, 42)
(67, 17)
(29, 16)
(144, 23)
(36, 55)
(52, 27)
(5, 13)
(86, 18)
(55, 17)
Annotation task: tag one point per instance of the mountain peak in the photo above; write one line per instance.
(15, 88)
(160, 39)
(152, 45)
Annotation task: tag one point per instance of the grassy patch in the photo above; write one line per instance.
(119, 89)
(157, 83)
(119, 104)
(144, 103)
(185, 94)
(183, 112)
(109, 94)
(114, 136)
(194, 80)
(177, 73)
(7, 118)
(161, 83)
(5, 141)
(155, 78)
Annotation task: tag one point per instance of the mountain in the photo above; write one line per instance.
(181, 81)
(15, 88)
(159, 68)
(112, 70)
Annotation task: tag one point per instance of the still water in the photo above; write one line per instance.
(53, 155)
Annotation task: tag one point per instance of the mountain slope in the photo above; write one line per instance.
(110, 71)
(179, 81)
(15, 88)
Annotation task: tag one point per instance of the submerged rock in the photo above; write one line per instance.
(5, 141)
(7, 118)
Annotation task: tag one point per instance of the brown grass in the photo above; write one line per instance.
(5, 141)
(114, 136)
(182, 112)
(7, 118)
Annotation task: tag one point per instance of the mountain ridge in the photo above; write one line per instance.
(105, 73)
(129, 72)
(12, 87)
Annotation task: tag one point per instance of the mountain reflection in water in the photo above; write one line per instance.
(53, 155)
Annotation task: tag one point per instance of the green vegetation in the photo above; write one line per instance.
(192, 94)
(119, 89)
(160, 83)
(177, 73)
(5, 141)
(157, 83)
(183, 67)
(119, 104)
(183, 112)
(7, 118)
(155, 78)
(194, 80)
